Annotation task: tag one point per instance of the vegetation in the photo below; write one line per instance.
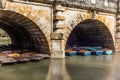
(4, 37)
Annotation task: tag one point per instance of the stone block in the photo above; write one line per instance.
(117, 30)
(58, 54)
(59, 7)
(117, 36)
(117, 41)
(118, 16)
(56, 36)
(118, 27)
(59, 24)
(59, 17)
(118, 22)
(117, 48)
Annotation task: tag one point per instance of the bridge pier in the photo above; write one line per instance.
(117, 46)
(57, 34)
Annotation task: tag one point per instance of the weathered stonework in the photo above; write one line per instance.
(57, 35)
(118, 22)
(56, 21)
(74, 17)
(117, 45)
(59, 7)
(118, 17)
(41, 15)
(109, 20)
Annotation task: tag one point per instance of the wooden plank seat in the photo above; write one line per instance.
(7, 60)
(4, 59)
(44, 56)
(32, 56)
(19, 57)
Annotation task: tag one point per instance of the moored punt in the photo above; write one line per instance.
(35, 58)
(84, 52)
(96, 52)
(19, 57)
(4, 59)
(107, 51)
(73, 53)
(7, 52)
(70, 52)
(7, 60)
(32, 56)
(94, 48)
(44, 56)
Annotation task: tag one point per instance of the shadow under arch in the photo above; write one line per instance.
(23, 31)
(91, 33)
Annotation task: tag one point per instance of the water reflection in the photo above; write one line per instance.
(116, 67)
(57, 70)
(105, 67)
(26, 71)
(51, 69)
(89, 68)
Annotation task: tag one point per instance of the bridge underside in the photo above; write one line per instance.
(91, 33)
(23, 32)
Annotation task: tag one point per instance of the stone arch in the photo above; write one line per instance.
(90, 33)
(23, 31)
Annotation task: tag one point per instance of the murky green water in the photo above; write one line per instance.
(105, 67)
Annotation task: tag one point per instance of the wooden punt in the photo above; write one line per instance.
(70, 52)
(44, 56)
(35, 58)
(5, 60)
(73, 53)
(19, 57)
(84, 52)
(107, 51)
(97, 52)
(32, 56)
(94, 48)
(22, 59)
(7, 52)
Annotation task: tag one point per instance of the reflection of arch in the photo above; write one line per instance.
(91, 33)
(29, 71)
(23, 31)
(91, 68)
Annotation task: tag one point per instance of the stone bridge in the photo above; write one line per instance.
(49, 26)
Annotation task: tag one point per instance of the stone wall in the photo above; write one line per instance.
(39, 13)
(75, 16)
(57, 21)
(110, 21)
(117, 46)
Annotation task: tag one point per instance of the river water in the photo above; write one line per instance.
(105, 67)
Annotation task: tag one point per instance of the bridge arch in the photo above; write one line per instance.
(23, 31)
(90, 32)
